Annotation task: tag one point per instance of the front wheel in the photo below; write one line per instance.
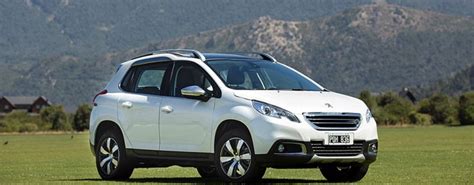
(235, 158)
(344, 172)
(207, 172)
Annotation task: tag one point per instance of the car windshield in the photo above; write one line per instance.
(260, 75)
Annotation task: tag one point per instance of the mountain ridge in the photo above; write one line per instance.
(33, 29)
(342, 52)
(335, 32)
(44, 28)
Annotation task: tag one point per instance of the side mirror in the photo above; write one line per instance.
(195, 92)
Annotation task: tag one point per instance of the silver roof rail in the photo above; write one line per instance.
(264, 56)
(182, 52)
(267, 57)
(179, 52)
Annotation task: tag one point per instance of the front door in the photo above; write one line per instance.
(185, 124)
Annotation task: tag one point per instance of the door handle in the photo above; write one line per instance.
(167, 109)
(127, 104)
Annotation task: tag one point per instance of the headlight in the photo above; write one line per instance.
(368, 115)
(273, 111)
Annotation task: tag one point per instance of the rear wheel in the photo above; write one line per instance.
(344, 173)
(235, 158)
(111, 162)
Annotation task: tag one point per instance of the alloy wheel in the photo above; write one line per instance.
(109, 156)
(235, 157)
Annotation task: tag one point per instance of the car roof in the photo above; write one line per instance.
(202, 56)
(220, 56)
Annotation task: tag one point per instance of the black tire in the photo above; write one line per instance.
(207, 172)
(344, 172)
(111, 160)
(243, 168)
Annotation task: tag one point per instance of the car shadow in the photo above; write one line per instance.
(197, 180)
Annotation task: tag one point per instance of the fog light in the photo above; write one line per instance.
(281, 148)
(373, 147)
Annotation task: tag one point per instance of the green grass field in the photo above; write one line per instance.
(407, 155)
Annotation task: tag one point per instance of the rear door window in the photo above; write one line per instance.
(148, 79)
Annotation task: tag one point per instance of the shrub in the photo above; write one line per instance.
(393, 109)
(441, 109)
(466, 108)
(2, 125)
(19, 122)
(424, 106)
(12, 127)
(56, 116)
(387, 98)
(368, 99)
(386, 118)
(81, 117)
(420, 119)
(28, 127)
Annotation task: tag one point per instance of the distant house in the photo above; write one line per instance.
(31, 104)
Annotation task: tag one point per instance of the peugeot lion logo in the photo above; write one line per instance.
(356, 122)
(328, 105)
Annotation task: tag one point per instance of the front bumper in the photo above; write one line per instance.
(313, 154)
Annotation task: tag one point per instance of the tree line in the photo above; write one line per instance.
(392, 109)
(52, 118)
(388, 109)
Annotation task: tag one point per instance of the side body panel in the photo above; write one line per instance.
(139, 117)
(188, 127)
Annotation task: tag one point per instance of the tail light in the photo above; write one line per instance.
(98, 94)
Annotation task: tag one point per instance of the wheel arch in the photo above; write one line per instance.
(104, 126)
(228, 125)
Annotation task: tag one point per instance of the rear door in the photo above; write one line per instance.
(139, 106)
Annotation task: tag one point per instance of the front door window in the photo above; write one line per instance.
(188, 75)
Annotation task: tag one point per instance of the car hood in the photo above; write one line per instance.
(306, 101)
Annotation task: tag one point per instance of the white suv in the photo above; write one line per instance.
(230, 116)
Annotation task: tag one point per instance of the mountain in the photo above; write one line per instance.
(454, 7)
(457, 84)
(375, 47)
(378, 47)
(34, 29)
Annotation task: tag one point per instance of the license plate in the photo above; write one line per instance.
(339, 139)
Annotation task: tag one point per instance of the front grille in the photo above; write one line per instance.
(337, 150)
(334, 121)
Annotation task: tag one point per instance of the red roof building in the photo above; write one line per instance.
(31, 104)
